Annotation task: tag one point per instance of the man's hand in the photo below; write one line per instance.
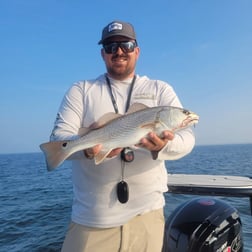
(90, 153)
(155, 143)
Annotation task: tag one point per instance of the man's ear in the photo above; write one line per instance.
(137, 51)
(102, 53)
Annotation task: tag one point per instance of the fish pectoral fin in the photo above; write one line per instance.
(101, 156)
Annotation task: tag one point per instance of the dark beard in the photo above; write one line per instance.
(117, 73)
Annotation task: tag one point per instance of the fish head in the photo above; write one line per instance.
(178, 118)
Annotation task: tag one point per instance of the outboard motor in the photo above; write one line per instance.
(203, 225)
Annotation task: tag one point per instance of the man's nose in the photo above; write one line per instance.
(118, 50)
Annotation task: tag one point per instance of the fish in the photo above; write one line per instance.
(119, 131)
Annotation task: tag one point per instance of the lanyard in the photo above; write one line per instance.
(113, 98)
(122, 186)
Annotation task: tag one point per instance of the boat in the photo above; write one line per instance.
(206, 224)
(212, 185)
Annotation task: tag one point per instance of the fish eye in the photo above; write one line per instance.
(186, 112)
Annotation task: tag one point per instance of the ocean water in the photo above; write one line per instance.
(36, 205)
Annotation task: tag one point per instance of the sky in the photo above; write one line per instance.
(202, 48)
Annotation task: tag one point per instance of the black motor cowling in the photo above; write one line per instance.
(203, 225)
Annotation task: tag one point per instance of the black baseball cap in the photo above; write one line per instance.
(117, 28)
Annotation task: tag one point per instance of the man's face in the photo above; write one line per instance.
(120, 64)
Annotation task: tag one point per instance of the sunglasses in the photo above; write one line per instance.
(126, 46)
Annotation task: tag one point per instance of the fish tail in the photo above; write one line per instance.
(54, 153)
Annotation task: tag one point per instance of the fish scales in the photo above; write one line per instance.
(123, 131)
(127, 128)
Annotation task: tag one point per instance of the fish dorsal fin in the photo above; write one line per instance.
(104, 120)
(83, 131)
(110, 117)
(136, 107)
(100, 123)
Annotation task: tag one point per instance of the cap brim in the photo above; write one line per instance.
(114, 35)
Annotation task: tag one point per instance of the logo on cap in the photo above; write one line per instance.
(114, 26)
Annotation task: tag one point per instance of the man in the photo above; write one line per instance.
(118, 204)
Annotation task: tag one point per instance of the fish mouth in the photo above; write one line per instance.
(194, 121)
(189, 121)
